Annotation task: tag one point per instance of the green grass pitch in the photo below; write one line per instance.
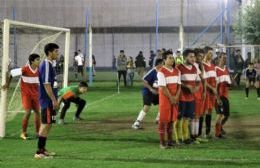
(105, 138)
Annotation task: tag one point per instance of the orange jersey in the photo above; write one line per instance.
(189, 76)
(29, 81)
(170, 79)
(223, 80)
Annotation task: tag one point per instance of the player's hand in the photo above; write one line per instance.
(219, 101)
(55, 105)
(173, 100)
(155, 92)
(214, 91)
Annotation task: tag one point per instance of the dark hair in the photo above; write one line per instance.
(166, 53)
(50, 47)
(122, 51)
(251, 63)
(158, 61)
(198, 51)
(187, 51)
(83, 84)
(207, 49)
(32, 57)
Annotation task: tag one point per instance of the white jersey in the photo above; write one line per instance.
(79, 60)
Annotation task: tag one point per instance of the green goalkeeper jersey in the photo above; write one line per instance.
(68, 92)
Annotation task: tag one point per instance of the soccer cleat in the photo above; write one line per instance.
(202, 140)
(163, 146)
(196, 141)
(61, 122)
(42, 156)
(76, 119)
(136, 126)
(47, 153)
(24, 136)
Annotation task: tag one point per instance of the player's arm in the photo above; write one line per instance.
(146, 84)
(9, 76)
(49, 91)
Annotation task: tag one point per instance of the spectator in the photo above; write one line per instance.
(151, 58)
(121, 66)
(75, 65)
(94, 65)
(239, 65)
(179, 57)
(80, 63)
(248, 60)
(130, 71)
(140, 64)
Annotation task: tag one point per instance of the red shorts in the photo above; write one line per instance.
(30, 102)
(209, 103)
(168, 113)
(199, 107)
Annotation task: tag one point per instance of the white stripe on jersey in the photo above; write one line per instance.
(210, 74)
(161, 79)
(190, 77)
(148, 73)
(173, 79)
(224, 78)
(46, 71)
(31, 80)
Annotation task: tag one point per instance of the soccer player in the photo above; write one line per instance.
(199, 96)
(69, 95)
(223, 83)
(47, 98)
(169, 91)
(29, 92)
(150, 93)
(189, 86)
(211, 88)
(250, 79)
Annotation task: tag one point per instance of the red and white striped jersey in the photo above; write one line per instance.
(169, 78)
(223, 81)
(198, 95)
(210, 74)
(29, 80)
(189, 76)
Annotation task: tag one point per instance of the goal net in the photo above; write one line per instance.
(18, 41)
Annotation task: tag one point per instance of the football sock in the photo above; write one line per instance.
(196, 128)
(24, 125)
(208, 123)
(41, 144)
(185, 129)
(37, 123)
(258, 92)
(247, 92)
(224, 120)
(162, 133)
(158, 116)
(169, 132)
(141, 116)
(200, 125)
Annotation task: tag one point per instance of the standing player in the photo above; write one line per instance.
(223, 83)
(199, 96)
(251, 79)
(29, 92)
(150, 93)
(169, 91)
(211, 88)
(189, 77)
(47, 98)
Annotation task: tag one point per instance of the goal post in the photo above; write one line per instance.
(6, 56)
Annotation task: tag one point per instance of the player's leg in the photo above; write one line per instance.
(37, 121)
(162, 128)
(66, 106)
(247, 88)
(27, 105)
(80, 106)
(46, 120)
(124, 76)
(209, 115)
(169, 133)
(226, 113)
(148, 99)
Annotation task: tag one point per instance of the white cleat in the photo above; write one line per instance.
(136, 126)
(42, 156)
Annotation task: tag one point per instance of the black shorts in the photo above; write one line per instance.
(48, 115)
(186, 109)
(149, 99)
(80, 69)
(251, 80)
(224, 109)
